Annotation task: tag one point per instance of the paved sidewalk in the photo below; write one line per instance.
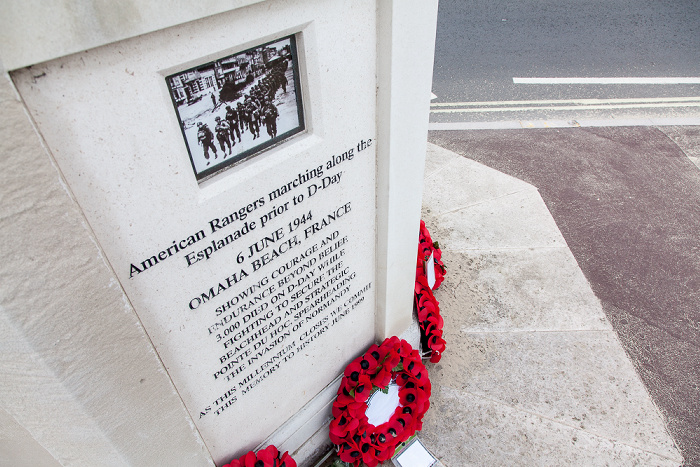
(534, 373)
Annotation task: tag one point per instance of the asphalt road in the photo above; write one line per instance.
(483, 45)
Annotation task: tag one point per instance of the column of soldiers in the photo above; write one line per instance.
(257, 108)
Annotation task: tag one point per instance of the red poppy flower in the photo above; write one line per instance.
(437, 343)
(268, 457)
(421, 283)
(424, 295)
(343, 400)
(436, 321)
(427, 304)
(369, 454)
(341, 426)
(287, 461)
(418, 399)
(373, 358)
(407, 351)
(417, 370)
(391, 344)
(384, 450)
(353, 371)
(362, 388)
(349, 451)
(382, 377)
(396, 429)
(250, 459)
(431, 332)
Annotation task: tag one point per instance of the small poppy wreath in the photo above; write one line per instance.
(268, 457)
(427, 306)
(356, 439)
(426, 246)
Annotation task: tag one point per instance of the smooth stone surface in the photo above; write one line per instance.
(405, 53)
(18, 447)
(105, 118)
(77, 371)
(36, 31)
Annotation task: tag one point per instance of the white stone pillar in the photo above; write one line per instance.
(405, 50)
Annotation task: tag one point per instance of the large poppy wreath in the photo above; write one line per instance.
(357, 440)
(268, 457)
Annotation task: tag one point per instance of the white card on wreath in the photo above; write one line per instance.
(381, 406)
(415, 455)
(430, 271)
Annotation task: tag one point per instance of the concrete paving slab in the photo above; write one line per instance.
(580, 379)
(475, 184)
(484, 432)
(515, 220)
(533, 289)
(438, 161)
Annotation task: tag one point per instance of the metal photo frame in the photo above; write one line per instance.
(238, 106)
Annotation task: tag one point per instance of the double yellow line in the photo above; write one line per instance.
(569, 104)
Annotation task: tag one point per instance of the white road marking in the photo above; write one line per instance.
(568, 101)
(571, 107)
(579, 105)
(432, 96)
(639, 80)
(519, 124)
(570, 104)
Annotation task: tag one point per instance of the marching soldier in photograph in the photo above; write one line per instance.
(232, 119)
(242, 117)
(206, 139)
(265, 87)
(253, 113)
(271, 114)
(223, 132)
(279, 75)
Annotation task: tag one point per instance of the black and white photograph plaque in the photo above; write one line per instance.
(239, 105)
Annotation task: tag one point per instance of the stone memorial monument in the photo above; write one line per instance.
(208, 211)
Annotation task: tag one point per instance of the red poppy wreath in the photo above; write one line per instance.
(426, 247)
(356, 439)
(427, 306)
(268, 457)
